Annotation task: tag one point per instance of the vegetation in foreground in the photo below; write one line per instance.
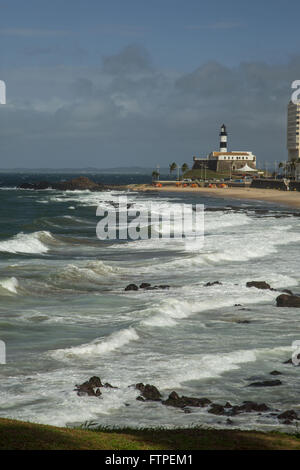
(18, 435)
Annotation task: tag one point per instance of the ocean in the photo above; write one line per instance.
(65, 316)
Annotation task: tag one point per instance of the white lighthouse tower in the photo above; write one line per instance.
(223, 139)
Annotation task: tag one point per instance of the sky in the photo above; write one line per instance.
(97, 83)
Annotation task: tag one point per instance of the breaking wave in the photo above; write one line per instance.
(9, 285)
(36, 242)
(98, 346)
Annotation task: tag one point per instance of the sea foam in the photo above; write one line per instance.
(36, 242)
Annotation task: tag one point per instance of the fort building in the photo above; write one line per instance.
(223, 160)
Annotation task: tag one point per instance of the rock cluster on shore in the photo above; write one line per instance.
(145, 286)
(151, 393)
(286, 299)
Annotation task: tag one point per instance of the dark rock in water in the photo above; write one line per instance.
(266, 383)
(131, 287)
(144, 285)
(26, 186)
(187, 410)
(288, 416)
(229, 421)
(42, 185)
(140, 398)
(140, 386)
(181, 402)
(149, 392)
(216, 409)
(290, 361)
(287, 291)
(197, 402)
(258, 284)
(90, 388)
(285, 300)
(237, 305)
(174, 396)
(80, 183)
(163, 286)
(95, 381)
(228, 405)
(275, 372)
(243, 321)
(249, 406)
(108, 385)
(214, 283)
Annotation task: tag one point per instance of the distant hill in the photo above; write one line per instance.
(116, 170)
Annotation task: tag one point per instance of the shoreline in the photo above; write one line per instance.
(286, 198)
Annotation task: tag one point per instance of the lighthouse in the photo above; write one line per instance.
(223, 139)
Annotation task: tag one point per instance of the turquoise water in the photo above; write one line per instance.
(65, 316)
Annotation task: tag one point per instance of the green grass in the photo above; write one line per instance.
(18, 435)
(210, 174)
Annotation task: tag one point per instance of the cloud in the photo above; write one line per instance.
(127, 111)
(134, 59)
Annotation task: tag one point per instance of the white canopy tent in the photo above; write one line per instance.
(244, 169)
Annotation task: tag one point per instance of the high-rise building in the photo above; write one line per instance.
(293, 119)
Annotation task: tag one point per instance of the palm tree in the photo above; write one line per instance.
(155, 175)
(173, 167)
(293, 166)
(184, 168)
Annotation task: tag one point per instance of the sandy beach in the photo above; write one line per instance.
(287, 198)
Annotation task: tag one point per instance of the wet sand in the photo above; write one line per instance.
(287, 198)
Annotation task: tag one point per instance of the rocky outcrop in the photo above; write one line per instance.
(146, 286)
(266, 383)
(258, 284)
(214, 283)
(217, 409)
(151, 393)
(131, 287)
(162, 286)
(181, 402)
(80, 183)
(90, 388)
(148, 392)
(285, 300)
(288, 416)
(249, 407)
